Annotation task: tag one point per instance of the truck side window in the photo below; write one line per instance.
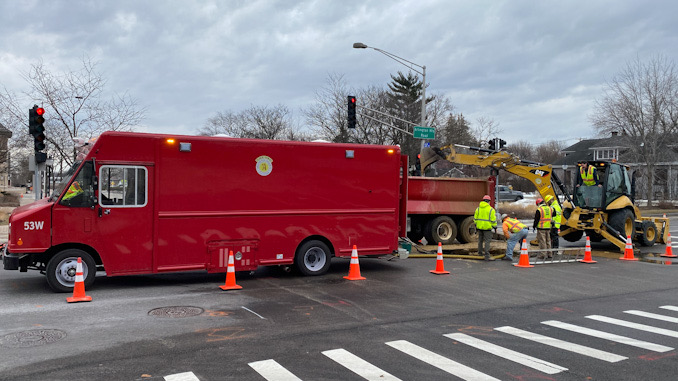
(80, 193)
(122, 186)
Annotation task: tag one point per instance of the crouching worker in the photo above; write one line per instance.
(515, 231)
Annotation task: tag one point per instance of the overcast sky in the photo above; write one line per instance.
(535, 67)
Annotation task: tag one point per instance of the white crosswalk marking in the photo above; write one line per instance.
(359, 366)
(561, 344)
(440, 362)
(608, 336)
(186, 376)
(520, 358)
(652, 316)
(272, 371)
(672, 308)
(642, 327)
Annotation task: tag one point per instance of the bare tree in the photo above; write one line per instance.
(641, 103)
(75, 104)
(485, 129)
(256, 122)
(328, 116)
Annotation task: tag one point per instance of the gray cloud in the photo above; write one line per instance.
(535, 67)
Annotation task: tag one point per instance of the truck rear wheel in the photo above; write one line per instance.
(441, 229)
(61, 269)
(649, 234)
(313, 258)
(467, 231)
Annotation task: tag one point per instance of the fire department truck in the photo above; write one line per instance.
(150, 203)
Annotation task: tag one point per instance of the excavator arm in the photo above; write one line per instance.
(537, 173)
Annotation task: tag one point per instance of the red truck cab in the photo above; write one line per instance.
(150, 203)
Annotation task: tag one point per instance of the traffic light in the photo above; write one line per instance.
(36, 127)
(492, 144)
(351, 111)
(502, 143)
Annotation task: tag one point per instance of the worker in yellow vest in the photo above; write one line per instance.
(485, 219)
(514, 231)
(588, 175)
(543, 221)
(557, 219)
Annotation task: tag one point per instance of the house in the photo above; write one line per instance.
(617, 147)
(5, 134)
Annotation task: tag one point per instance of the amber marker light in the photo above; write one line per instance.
(391, 151)
(170, 141)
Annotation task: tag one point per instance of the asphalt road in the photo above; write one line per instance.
(283, 326)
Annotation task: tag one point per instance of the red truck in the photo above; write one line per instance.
(151, 203)
(441, 209)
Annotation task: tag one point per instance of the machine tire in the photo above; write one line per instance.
(61, 268)
(574, 236)
(649, 235)
(467, 231)
(593, 236)
(313, 258)
(441, 229)
(622, 221)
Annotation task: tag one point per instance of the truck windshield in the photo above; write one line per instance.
(65, 179)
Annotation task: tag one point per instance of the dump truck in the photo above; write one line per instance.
(441, 209)
(602, 212)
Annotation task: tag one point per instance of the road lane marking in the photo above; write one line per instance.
(272, 371)
(249, 310)
(452, 367)
(652, 316)
(628, 324)
(520, 358)
(671, 308)
(566, 345)
(608, 336)
(186, 376)
(359, 366)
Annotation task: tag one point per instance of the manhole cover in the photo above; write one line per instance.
(176, 312)
(32, 338)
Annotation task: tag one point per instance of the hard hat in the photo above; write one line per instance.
(487, 198)
(504, 216)
(548, 198)
(539, 201)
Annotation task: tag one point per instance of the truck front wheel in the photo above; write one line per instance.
(313, 258)
(441, 229)
(61, 269)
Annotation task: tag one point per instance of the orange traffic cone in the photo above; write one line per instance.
(79, 287)
(230, 275)
(669, 249)
(628, 251)
(524, 260)
(354, 268)
(587, 253)
(440, 267)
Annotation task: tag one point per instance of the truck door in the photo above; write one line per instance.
(124, 218)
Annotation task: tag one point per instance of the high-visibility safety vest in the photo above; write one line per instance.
(587, 175)
(485, 217)
(73, 191)
(557, 214)
(514, 226)
(544, 217)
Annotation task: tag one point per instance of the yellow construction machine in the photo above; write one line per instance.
(603, 212)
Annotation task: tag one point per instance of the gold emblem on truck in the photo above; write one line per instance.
(264, 165)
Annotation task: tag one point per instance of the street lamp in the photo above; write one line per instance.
(360, 45)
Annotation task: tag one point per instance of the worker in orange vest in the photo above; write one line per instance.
(514, 231)
(543, 219)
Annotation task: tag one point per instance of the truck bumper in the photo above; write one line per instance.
(14, 261)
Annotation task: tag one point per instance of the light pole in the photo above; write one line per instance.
(360, 45)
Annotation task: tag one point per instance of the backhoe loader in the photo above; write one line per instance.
(603, 212)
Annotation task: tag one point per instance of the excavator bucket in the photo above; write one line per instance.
(428, 156)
